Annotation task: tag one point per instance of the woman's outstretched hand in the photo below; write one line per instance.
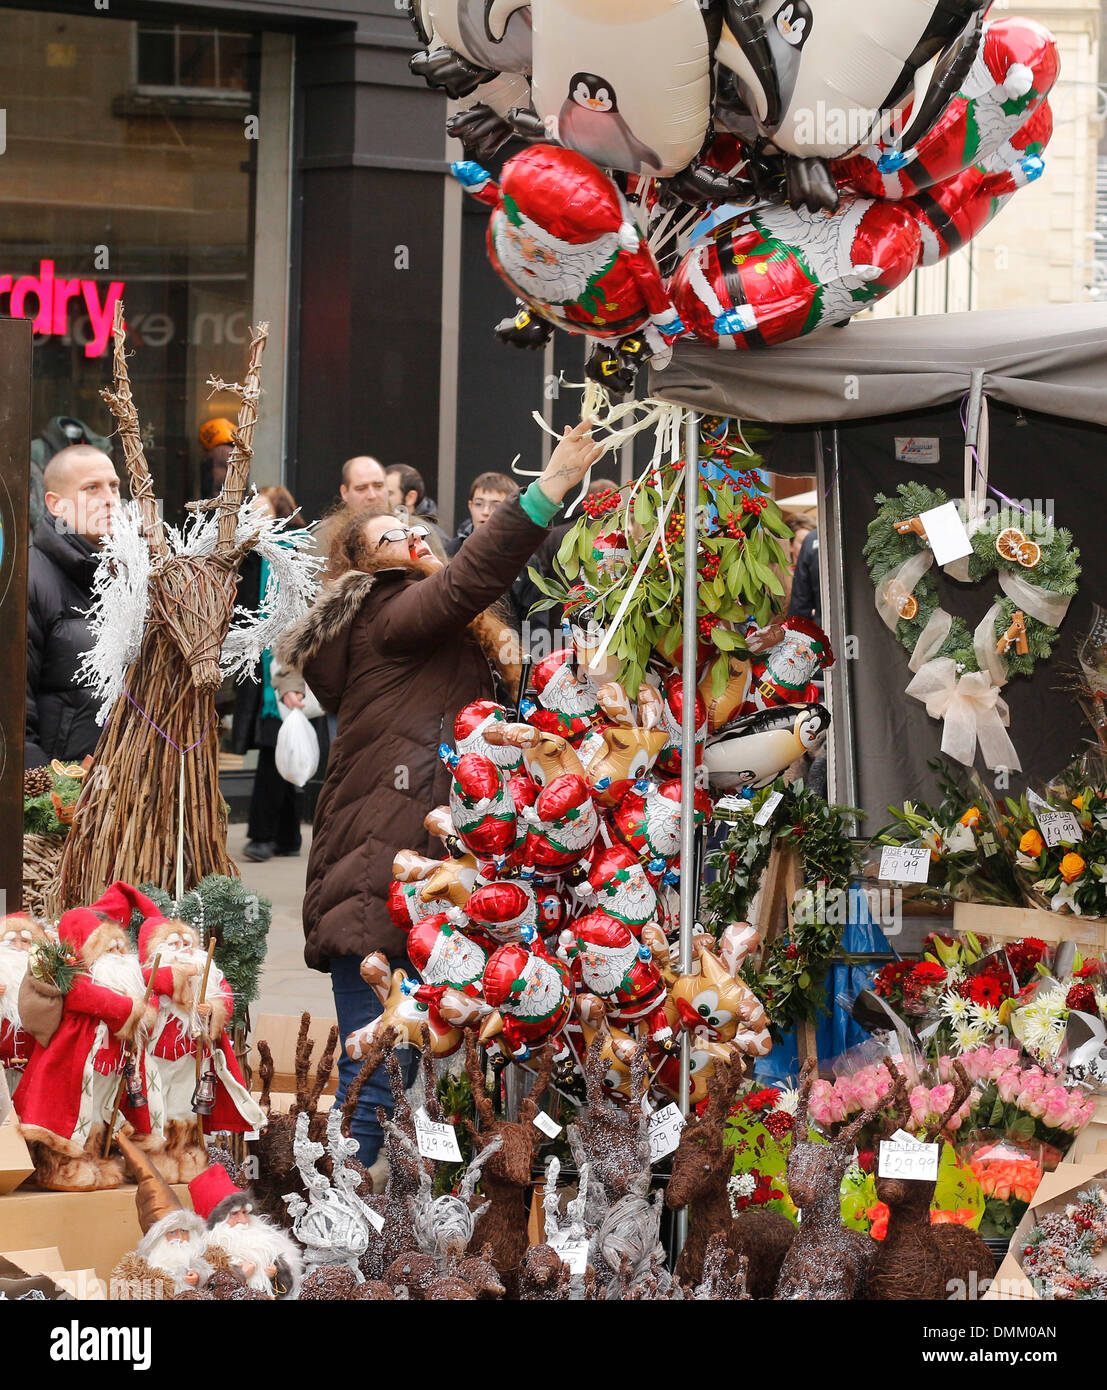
(570, 461)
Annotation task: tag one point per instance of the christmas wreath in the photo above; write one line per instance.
(958, 671)
(790, 980)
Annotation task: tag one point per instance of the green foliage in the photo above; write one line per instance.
(1059, 569)
(793, 969)
(40, 815)
(54, 963)
(240, 922)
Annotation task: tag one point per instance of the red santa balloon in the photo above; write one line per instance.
(531, 993)
(481, 807)
(469, 730)
(562, 824)
(669, 759)
(443, 955)
(618, 885)
(612, 964)
(794, 651)
(563, 239)
(501, 910)
(648, 821)
(568, 701)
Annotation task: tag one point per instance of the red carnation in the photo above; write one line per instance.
(778, 1123)
(1089, 969)
(1082, 997)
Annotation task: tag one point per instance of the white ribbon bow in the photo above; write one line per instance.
(972, 711)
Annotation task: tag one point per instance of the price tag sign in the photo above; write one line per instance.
(765, 814)
(664, 1131)
(1059, 826)
(902, 1137)
(435, 1140)
(946, 533)
(376, 1220)
(903, 864)
(547, 1124)
(917, 1162)
(573, 1253)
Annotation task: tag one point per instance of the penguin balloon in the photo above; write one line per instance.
(626, 83)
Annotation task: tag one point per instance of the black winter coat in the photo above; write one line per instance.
(61, 714)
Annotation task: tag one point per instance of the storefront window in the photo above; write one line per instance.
(128, 172)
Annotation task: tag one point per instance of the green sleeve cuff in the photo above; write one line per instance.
(538, 506)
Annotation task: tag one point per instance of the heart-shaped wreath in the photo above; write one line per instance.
(1037, 569)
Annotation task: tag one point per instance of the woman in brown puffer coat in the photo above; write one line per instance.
(396, 644)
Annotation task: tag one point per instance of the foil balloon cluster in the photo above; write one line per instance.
(787, 162)
(550, 918)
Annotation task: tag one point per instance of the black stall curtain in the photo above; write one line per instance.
(881, 382)
(1035, 460)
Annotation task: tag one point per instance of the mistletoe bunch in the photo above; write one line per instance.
(738, 557)
(791, 978)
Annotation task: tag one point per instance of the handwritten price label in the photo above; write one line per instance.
(664, 1130)
(768, 806)
(913, 1161)
(547, 1124)
(1059, 827)
(573, 1253)
(902, 864)
(375, 1219)
(435, 1140)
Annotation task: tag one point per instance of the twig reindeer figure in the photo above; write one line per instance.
(271, 1169)
(610, 1138)
(826, 1260)
(699, 1179)
(134, 816)
(917, 1260)
(506, 1179)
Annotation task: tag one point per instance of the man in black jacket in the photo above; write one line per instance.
(81, 489)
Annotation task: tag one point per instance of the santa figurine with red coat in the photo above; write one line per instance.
(18, 934)
(185, 1022)
(69, 1088)
(261, 1254)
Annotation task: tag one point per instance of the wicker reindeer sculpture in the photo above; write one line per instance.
(152, 796)
(506, 1179)
(917, 1260)
(701, 1168)
(826, 1259)
(610, 1137)
(271, 1169)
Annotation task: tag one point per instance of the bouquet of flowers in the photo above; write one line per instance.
(1009, 1172)
(1070, 876)
(759, 1129)
(1022, 1103)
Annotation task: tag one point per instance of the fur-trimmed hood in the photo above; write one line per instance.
(336, 606)
(339, 602)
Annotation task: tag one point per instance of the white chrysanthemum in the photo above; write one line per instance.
(953, 1007)
(1040, 1024)
(985, 1016)
(788, 1101)
(967, 1037)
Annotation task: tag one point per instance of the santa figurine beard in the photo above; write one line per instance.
(176, 1246)
(15, 1042)
(117, 968)
(264, 1257)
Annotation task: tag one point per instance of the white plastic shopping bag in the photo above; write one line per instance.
(297, 753)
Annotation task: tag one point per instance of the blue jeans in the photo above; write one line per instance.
(356, 1005)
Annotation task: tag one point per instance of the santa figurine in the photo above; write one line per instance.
(609, 962)
(18, 934)
(568, 700)
(792, 653)
(262, 1255)
(647, 820)
(174, 1255)
(531, 994)
(70, 1087)
(184, 1023)
(618, 885)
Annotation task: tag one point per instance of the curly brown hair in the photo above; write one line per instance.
(349, 549)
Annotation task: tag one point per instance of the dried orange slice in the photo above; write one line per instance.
(1014, 545)
(907, 606)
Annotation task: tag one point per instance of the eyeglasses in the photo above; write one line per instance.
(399, 534)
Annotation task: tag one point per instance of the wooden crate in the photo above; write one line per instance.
(1011, 923)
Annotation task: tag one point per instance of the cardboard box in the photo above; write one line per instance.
(78, 1283)
(280, 1031)
(15, 1157)
(1092, 1139)
(1012, 923)
(1054, 1192)
(91, 1230)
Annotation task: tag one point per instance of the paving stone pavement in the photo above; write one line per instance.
(287, 985)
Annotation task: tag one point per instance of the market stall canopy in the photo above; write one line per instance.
(1051, 359)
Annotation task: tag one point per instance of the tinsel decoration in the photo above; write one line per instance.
(237, 917)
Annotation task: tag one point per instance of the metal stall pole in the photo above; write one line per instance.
(688, 883)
